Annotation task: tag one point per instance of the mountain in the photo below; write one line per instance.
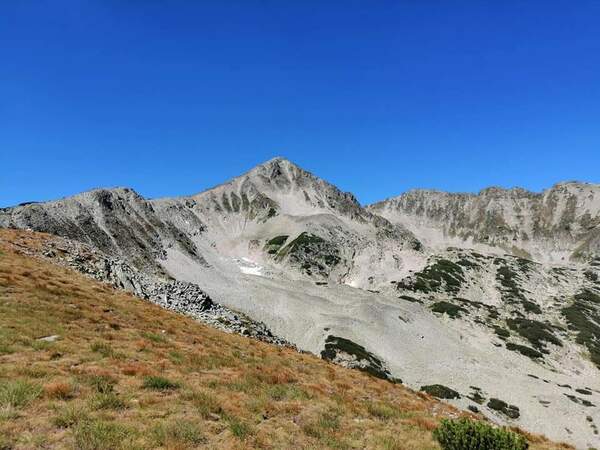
(492, 296)
(560, 224)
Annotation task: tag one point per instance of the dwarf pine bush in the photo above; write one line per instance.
(465, 434)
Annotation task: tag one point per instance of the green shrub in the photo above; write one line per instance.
(440, 391)
(451, 309)
(278, 240)
(159, 383)
(465, 434)
(524, 350)
(501, 406)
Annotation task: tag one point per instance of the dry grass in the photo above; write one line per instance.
(126, 374)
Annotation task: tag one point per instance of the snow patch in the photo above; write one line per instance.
(249, 267)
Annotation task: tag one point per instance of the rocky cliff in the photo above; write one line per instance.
(560, 224)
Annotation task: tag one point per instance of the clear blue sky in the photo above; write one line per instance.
(170, 98)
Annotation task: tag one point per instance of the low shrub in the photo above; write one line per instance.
(465, 434)
(440, 391)
(501, 406)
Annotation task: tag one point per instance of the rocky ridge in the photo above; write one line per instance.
(560, 224)
(182, 297)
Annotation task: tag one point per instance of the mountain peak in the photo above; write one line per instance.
(275, 167)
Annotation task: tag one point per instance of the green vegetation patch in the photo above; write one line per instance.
(467, 263)
(579, 400)
(476, 396)
(305, 239)
(537, 333)
(159, 383)
(313, 253)
(465, 434)
(502, 333)
(440, 391)
(531, 307)
(278, 240)
(508, 279)
(408, 298)
(501, 406)
(371, 364)
(583, 317)
(591, 276)
(524, 350)
(454, 311)
(18, 393)
(99, 434)
(274, 245)
(239, 428)
(439, 276)
(182, 432)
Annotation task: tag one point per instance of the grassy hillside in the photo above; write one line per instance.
(84, 366)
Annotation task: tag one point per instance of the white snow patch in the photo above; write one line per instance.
(249, 267)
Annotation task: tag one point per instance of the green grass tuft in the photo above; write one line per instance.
(159, 383)
(18, 393)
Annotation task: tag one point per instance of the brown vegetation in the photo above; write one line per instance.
(127, 374)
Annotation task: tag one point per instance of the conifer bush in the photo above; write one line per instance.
(465, 434)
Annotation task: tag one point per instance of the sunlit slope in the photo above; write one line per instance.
(85, 366)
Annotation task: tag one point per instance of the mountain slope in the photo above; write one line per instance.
(278, 201)
(85, 366)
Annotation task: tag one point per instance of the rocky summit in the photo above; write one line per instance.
(490, 301)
